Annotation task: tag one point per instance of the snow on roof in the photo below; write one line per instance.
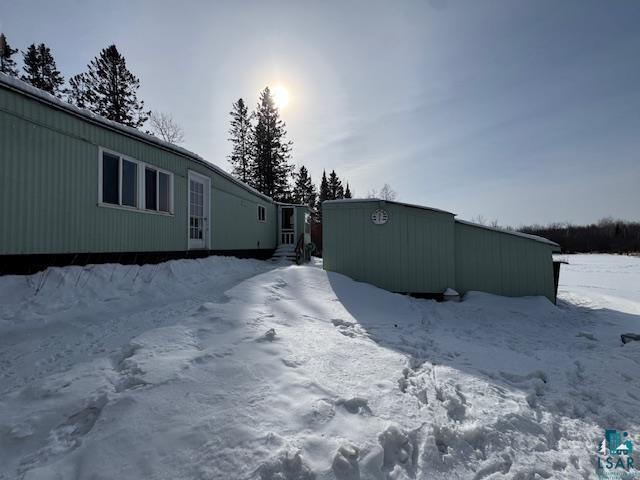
(376, 200)
(510, 232)
(24, 88)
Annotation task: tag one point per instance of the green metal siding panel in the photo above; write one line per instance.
(501, 263)
(242, 230)
(49, 191)
(412, 252)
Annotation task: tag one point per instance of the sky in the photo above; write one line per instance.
(517, 111)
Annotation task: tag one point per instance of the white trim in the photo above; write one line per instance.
(133, 209)
(141, 183)
(207, 209)
(158, 170)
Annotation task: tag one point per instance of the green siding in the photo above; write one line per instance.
(412, 252)
(502, 263)
(424, 251)
(49, 190)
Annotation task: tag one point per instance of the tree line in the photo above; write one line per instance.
(107, 87)
(606, 236)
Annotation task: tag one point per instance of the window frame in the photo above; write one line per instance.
(264, 209)
(140, 185)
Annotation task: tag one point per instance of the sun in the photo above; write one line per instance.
(281, 96)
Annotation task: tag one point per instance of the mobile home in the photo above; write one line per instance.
(76, 188)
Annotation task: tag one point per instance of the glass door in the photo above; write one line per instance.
(198, 210)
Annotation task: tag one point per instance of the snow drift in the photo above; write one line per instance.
(224, 368)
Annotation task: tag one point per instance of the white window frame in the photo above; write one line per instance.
(140, 174)
(264, 209)
(146, 166)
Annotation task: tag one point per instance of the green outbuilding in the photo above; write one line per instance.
(76, 188)
(424, 251)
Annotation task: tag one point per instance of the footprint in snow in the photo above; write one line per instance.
(68, 435)
(348, 329)
(345, 463)
(269, 336)
(355, 405)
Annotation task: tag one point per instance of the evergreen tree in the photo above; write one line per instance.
(271, 169)
(79, 93)
(40, 70)
(7, 64)
(336, 190)
(109, 89)
(241, 157)
(324, 194)
(304, 191)
(347, 192)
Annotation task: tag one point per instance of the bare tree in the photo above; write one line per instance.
(479, 219)
(385, 193)
(164, 126)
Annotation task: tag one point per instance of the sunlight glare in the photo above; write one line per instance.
(281, 96)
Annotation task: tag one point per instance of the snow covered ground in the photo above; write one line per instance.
(235, 369)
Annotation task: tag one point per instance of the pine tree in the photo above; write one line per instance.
(80, 94)
(347, 192)
(109, 89)
(7, 64)
(271, 169)
(324, 194)
(241, 137)
(40, 70)
(335, 186)
(304, 191)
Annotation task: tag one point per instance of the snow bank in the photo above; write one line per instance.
(223, 368)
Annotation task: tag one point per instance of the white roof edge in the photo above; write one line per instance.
(285, 204)
(359, 200)
(510, 232)
(24, 88)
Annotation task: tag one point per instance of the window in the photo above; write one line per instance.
(262, 214)
(150, 189)
(164, 192)
(129, 183)
(110, 182)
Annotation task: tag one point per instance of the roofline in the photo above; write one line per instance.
(23, 88)
(377, 200)
(526, 236)
(285, 204)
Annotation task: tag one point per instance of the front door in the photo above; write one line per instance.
(198, 211)
(287, 226)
